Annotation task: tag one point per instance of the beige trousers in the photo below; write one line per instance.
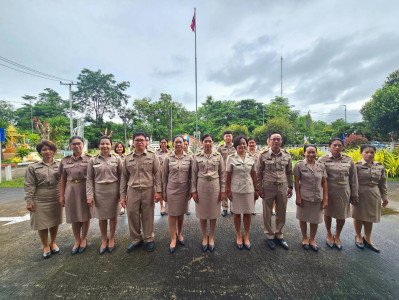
(276, 193)
(140, 213)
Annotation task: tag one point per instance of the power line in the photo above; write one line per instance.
(31, 70)
(28, 73)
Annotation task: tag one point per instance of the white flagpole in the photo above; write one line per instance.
(196, 99)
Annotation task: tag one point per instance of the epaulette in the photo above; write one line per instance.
(218, 153)
(231, 155)
(88, 154)
(131, 153)
(378, 163)
(70, 155)
(114, 154)
(150, 150)
(169, 153)
(263, 151)
(198, 154)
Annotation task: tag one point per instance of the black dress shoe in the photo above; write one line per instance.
(55, 251)
(47, 255)
(231, 213)
(359, 245)
(273, 213)
(240, 246)
(254, 213)
(371, 247)
(204, 247)
(271, 244)
(188, 213)
(134, 246)
(163, 213)
(150, 246)
(211, 248)
(338, 246)
(282, 243)
(110, 249)
(82, 249)
(181, 242)
(75, 251)
(314, 248)
(224, 212)
(247, 246)
(331, 245)
(305, 246)
(172, 249)
(102, 250)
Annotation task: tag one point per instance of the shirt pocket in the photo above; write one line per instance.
(269, 164)
(147, 165)
(202, 166)
(344, 171)
(376, 174)
(185, 165)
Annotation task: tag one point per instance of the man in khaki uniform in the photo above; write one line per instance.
(140, 177)
(189, 152)
(275, 184)
(225, 150)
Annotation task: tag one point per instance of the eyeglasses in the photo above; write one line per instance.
(76, 144)
(163, 142)
(139, 141)
(276, 140)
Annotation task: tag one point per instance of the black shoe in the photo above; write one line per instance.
(122, 213)
(150, 246)
(224, 212)
(102, 250)
(75, 251)
(305, 246)
(163, 213)
(134, 246)
(282, 243)
(338, 246)
(331, 245)
(239, 246)
(172, 250)
(359, 245)
(371, 247)
(271, 244)
(314, 248)
(204, 247)
(55, 251)
(211, 248)
(110, 249)
(273, 213)
(231, 213)
(254, 213)
(181, 242)
(247, 246)
(47, 255)
(82, 249)
(188, 213)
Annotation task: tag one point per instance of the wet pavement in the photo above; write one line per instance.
(227, 273)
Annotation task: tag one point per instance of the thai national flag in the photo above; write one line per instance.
(193, 23)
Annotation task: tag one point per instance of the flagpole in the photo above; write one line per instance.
(196, 99)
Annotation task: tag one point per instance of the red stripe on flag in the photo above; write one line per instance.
(193, 23)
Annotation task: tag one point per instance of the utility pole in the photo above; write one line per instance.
(171, 123)
(30, 99)
(70, 104)
(345, 112)
(124, 123)
(281, 77)
(263, 109)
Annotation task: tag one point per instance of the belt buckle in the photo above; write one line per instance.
(76, 181)
(142, 188)
(209, 178)
(371, 184)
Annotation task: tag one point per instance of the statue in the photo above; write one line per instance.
(42, 130)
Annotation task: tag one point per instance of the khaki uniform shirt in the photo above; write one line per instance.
(161, 155)
(141, 171)
(274, 168)
(241, 180)
(208, 168)
(255, 155)
(226, 151)
(39, 175)
(75, 169)
(370, 176)
(102, 170)
(310, 180)
(341, 171)
(177, 170)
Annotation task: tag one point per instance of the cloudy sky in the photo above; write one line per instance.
(334, 52)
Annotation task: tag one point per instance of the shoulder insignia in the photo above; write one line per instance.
(67, 156)
(231, 155)
(88, 154)
(378, 163)
(263, 151)
(218, 153)
(198, 154)
(150, 150)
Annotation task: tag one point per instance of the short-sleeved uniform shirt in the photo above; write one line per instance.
(241, 180)
(310, 180)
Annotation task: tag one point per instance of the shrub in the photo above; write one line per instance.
(354, 141)
(298, 154)
(22, 152)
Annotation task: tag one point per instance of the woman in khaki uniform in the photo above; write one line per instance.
(102, 189)
(161, 153)
(42, 196)
(176, 184)
(73, 170)
(119, 149)
(208, 188)
(372, 190)
(242, 188)
(311, 195)
(342, 186)
(255, 154)
(189, 152)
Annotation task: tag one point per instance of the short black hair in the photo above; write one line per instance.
(237, 140)
(185, 140)
(335, 139)
(138, 133)
(104, 137)
(76, 137)
(178, 136)
(274, 132)
(164, 138)
(205, 136)
(363, 147)
(251, 138)
(307, 146)
(123, 146)
(227, 132)
(47, 143)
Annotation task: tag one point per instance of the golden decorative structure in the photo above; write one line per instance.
(11, 138)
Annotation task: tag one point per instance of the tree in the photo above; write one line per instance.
(354, 141)
(100, 94)
(6, 114)
(236, 129)
(278, 124)
(381, 112)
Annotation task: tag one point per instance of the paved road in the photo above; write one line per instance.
(189, 273)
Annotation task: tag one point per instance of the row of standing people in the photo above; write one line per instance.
(137, 182)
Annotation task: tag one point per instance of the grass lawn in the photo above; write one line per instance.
(18, 182)
(393, 179)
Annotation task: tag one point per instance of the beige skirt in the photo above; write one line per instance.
(310, 212)
(106, 201)
(76, 208)
(369, 207)
(338, 201)
(48, 210)
(243, 203)
(176, 204)
(208, 206)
